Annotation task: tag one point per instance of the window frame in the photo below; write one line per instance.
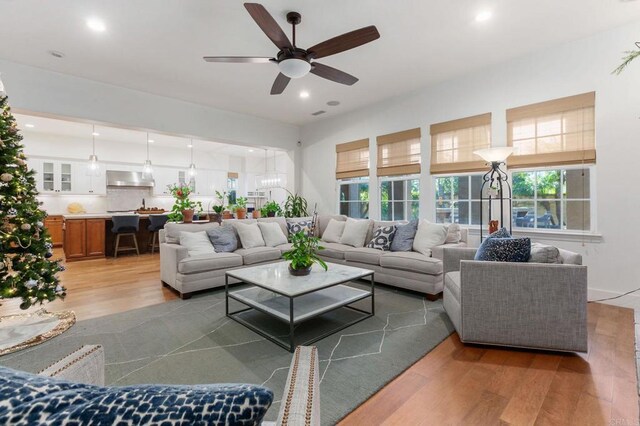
(406, 201)
(348, 181)
(470, 200)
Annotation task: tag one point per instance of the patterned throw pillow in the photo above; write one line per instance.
(302, 226)
(500, 233)
(504, 250)
(382, 238)
(50, 401)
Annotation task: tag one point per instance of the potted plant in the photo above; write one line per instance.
(295, 206)
(271, 209)
(226, 214)
(218, 208)
(241, 208)
(303, 255)
(256, 214)
(182, 209)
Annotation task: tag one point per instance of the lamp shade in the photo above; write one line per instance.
(493, 155)
(294, 68)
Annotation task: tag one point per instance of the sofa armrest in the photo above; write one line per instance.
(438, 251)
(170, 256)
(300, 404)
(85, 365)
(453, 255)
(524, 304)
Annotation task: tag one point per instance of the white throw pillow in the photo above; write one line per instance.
(272, 234)
(196, 242)
(355, 232)
(250, 235)
(453, 234)
(429, 235)
(333, 232)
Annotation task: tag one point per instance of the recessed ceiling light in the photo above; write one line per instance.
(189, 146)
(30, 126)
(96, 25)
(333, 103)
(56, 54)
(95, 134)
(483, 16)
(304, 94)
(250, 150)
(151, 141)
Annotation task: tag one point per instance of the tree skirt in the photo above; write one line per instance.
(21, 331)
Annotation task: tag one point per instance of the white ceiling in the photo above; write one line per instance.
(35, 125)
(157, 47)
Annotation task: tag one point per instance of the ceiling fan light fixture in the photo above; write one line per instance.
(294, 67)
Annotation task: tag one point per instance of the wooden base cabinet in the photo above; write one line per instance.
(84, 239)
(55, 226)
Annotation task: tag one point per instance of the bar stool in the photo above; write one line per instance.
(126, 225)
(156, 223)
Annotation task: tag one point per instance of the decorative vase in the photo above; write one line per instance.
(215, 217)
(255, 214)
(241, 213)
(187, 216)
(227, 215)
(299, 272)
(271, 214)
(493, 226)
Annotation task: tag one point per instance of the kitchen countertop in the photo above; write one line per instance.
(99, 215)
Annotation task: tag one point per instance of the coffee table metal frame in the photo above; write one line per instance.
(292, 341)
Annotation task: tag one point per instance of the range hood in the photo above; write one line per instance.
(135, 179)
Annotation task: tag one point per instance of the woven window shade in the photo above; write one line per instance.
(399, 153)
(557, 132)
(232, 175)
(352, 159)
(453, 143)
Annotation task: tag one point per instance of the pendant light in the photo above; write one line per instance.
(192, 167)
(147, 168)
(93, 167)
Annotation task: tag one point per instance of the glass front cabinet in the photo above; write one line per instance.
(56, 176)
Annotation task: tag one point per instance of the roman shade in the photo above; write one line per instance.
(352, 159)
(232, 175)
(557, 132)
(399, 153)
(453, 143)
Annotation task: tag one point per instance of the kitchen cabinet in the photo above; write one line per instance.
(84, 239)
(163, 177)
(54, 224)
(55, 176)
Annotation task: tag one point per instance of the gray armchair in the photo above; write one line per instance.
(529, 305)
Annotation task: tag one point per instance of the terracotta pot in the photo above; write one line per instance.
(215, 217)
(255, 214)
(227, 215)
(241, 213)
(187, 216)
(299, 272)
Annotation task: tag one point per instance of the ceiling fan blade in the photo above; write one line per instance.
(269, 25)
(344, 42)
(238, 59)
(333, 74)
(280, 84)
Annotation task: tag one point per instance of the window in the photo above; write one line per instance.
(558, 133)
(232, 187)
(458, 199)
(552, 199)
(352, 159)
(399, 153)
(453, 144)
(354, 198)
(400, 198)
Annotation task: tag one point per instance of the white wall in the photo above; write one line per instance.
(37, 90)
(581, 66)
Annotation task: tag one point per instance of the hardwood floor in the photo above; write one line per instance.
(453, 384)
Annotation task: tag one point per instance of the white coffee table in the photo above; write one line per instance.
(293, 300)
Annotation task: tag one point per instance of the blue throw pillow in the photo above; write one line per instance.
(403, 238)
(32, 399)
(223, 238)
(504, 250)
(500, 233)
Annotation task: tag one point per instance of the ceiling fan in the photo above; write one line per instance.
(295, 62)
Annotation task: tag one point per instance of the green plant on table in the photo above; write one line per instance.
(303, 253)
(241, 202)
(182, 202)
(221, 198)
(295, 206)
(272, 208)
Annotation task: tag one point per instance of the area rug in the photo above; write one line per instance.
(22, 331)
(192, 341)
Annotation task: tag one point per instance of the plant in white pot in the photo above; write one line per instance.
(303, 255)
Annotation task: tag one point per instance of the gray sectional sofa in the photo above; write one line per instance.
(188, 274)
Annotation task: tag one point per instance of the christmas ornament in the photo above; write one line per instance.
(48, 254)
(6, 177)
(31, 283)
(25, 226)
(40, 224)
(12, 212)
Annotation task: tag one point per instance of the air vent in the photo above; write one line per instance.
(318, 112)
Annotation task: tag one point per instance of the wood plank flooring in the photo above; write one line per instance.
(453, 384)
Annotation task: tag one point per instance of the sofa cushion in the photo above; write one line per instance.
(363, 255)
(541, 253)
(403, 239)
(504, 250)
(429, 235)
(500, 233)
(223, 238)
(454, 234)
(333, 232)
(452, 282)
(172, 230)
(196, 243)
(284, 247)
(323, 222)
(281, 221)
(249, 235)
(334, 250)
(411, 261)
(355, 232)
(382, 238)
(259, 254)
(31, 399)
(209, 262)
(272, 234)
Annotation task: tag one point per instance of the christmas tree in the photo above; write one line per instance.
(26, 270)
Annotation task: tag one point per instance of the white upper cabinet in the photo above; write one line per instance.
(54, 176)
(163, 177)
